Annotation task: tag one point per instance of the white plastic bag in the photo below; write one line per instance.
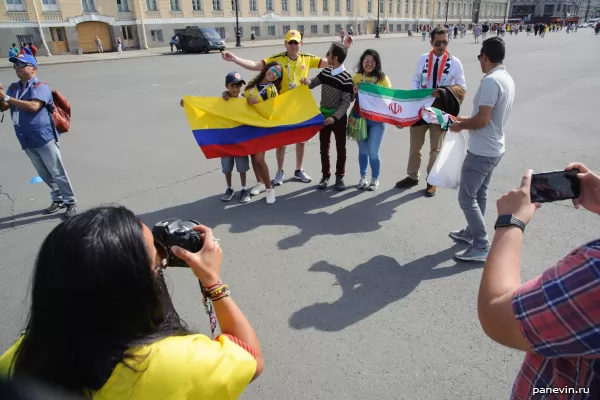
(447, 168)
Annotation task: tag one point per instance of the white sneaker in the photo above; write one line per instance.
(258, 189)
(363, 183)
(270, 197)
(279, 177)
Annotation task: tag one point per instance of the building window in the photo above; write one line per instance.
(326, 5)
(337, 5)
(284, 5)
(174, 5)
(348, 5)
(88, 6)
(301, 29)
(398, 7)
(391, 7)
(221, 32)
(271, 30)
(299, 5)
(15, 5)
(24, 39)
(369, 6)
(399, 26)
(216, 5)
(338, 27)
(122, 5)
(406, 8)
(157, 35)
(256, 30)
(313, 5)
(326, 29)
(391, 27)
(252, 5)
(286, 28)
(270, 6)
(381, 8)
(50, 5)
(197, 5)
(427, 9)
(127, 32)
(348, 27)
(313, 29)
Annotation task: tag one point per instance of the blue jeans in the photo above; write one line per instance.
(472, 195)
(368, 149)
(49, 166)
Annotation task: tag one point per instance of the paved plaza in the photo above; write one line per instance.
(355, 294)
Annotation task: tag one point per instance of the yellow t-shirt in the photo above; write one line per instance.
(294, 70)
(176, 368)
(358, 78)
(270, 91)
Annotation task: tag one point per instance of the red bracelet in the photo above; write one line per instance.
(213, 287)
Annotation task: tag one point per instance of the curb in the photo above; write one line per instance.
(146, 55)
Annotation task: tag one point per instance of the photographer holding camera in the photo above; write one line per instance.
(102, 323)
(555, 317)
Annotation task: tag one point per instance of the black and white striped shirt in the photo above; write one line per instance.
(337, 89)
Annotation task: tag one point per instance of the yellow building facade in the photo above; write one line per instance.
(71, 26)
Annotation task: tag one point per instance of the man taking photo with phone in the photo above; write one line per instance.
(491, 105)
(554, 318)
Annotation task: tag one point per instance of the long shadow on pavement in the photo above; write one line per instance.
(294, 209)
(19, 219)
(372, 286)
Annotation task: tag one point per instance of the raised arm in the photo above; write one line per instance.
(242, 62)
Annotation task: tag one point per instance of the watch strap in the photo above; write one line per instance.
(514, 221)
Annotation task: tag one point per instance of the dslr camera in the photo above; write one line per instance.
(176, 232)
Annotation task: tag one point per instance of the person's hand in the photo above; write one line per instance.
(456, 127)
(1, 87)
(518, 201)
(355, 89)
(181, 102)
(304, 81)
(589, 198)
(227, 56)
(206, 264)
(226, 95)
(436, 93)
(348, 40)
(460, 119)
(329, 121)
(252, 100)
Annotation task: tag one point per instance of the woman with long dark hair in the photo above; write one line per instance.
(102, 324)
(369, 71)
(265, 86)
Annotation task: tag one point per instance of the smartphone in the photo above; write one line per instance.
(547, 187)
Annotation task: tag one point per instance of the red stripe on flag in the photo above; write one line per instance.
(258, 145)
(377, 117)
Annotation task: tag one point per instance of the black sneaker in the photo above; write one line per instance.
(244, 196)
(54, 207)
(407, 182)
(339, 183)
(71, 210)
(324, 182)
(228, 195)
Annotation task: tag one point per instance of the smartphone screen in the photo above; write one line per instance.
(555, 186)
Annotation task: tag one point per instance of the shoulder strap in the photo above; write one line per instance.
(38, 84)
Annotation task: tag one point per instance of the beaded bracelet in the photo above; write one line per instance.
(218, 293)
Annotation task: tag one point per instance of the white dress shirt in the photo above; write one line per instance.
(455, 75)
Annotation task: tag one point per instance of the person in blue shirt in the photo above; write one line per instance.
(30, 103)
(13, 51)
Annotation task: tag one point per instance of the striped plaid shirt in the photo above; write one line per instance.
(336, 90)
(559, 315)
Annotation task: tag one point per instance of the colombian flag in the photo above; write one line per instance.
(235, 128)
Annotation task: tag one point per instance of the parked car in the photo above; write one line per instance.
(195, 39)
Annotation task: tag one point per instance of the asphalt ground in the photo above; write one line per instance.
(354, 294)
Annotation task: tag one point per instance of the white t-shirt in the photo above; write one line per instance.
(453, 72)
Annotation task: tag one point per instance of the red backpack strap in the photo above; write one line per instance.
(38, 84)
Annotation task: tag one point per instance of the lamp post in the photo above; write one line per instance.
(447, 7)
(378, 11)
(506, 11)
(238, 36)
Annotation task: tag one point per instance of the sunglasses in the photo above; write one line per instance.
(275, 71)
(293, 42)
(440, 42)
(479, 56)
(21, 65)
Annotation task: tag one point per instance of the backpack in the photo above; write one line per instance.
(61, 115)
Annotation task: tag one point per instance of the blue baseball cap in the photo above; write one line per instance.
(24, 58)
(234, 77)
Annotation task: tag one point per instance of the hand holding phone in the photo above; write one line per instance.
(589, 197)
(552, 186)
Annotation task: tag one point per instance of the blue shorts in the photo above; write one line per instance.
(242, 164)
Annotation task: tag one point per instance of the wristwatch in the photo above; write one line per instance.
(6, 99)
(509, 220)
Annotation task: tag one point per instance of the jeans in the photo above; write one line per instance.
(368, 149)
(472, 195)
(339, 131)
(49, 166)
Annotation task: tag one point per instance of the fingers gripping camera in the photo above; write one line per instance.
(176, 232)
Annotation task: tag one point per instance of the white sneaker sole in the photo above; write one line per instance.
(461, 239)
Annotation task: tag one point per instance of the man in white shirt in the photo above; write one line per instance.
(436, 69)
(491, 106)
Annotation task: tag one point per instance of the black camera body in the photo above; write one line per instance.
(176, 232)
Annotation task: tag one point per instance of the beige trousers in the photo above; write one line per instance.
(417, 140)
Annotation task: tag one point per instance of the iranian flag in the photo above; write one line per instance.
(392, 106)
